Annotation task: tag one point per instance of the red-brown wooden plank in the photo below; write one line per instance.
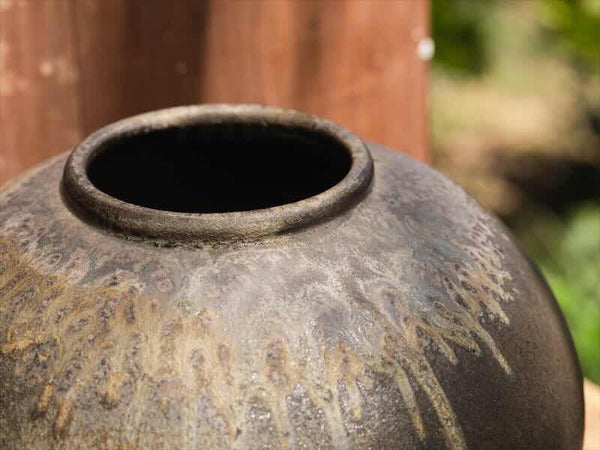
(354, 62)
(68, 67)
(38, 83)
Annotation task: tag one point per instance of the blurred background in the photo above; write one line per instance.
(509, 106)
(515, 119)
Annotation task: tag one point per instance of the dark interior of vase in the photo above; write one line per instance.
(219, 167)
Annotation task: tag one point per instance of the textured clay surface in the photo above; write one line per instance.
(410, 321)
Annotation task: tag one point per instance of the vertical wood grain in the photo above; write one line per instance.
(39, 109)
(137, 56)
(68, 67)
(353, 62)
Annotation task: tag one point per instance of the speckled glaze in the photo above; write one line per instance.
(389, 312)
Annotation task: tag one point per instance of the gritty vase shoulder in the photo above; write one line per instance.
(242, 277)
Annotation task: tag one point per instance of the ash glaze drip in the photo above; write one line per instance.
(408, 321)
(224, 144)
(395, 313)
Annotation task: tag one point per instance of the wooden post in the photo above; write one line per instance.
(39, 83)
(68, 67)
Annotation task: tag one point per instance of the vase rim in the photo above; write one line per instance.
(144, 223)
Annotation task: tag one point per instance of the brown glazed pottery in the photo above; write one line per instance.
(240, 277)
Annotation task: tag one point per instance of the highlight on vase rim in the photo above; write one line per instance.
(216, 171)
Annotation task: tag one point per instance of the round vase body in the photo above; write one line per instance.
(341, 295)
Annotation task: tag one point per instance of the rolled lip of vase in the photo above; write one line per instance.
(140, 222)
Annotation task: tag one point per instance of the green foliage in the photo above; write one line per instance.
(568, 252)
(574, 26)
(460, 28)
(545, 53)
(458, 34)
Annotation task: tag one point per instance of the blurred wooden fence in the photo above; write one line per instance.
(68, 67)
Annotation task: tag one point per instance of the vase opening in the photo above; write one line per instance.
(215, 172)
(217, 168)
